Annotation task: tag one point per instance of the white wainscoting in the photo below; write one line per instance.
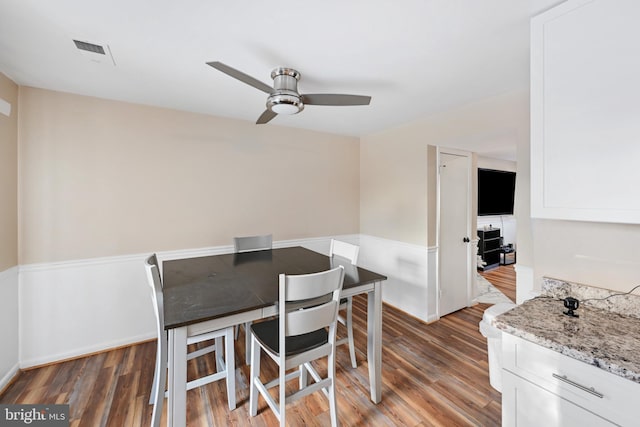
(70, 309)
(411, 272)
(525, 289)
(73, 308)
(9, 355)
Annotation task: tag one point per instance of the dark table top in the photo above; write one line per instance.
(204, 288)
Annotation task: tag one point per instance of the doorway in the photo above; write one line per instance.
(455, 247)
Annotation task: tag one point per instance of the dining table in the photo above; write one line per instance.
(207, 293)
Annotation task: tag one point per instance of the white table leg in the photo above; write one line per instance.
(177, 388)
(374, 341)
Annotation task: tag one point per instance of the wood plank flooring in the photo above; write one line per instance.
(433, 375)
(503, 278)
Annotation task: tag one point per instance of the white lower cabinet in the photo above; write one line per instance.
(525, 404)
(541, 387)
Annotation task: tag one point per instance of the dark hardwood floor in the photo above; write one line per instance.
(433, 375)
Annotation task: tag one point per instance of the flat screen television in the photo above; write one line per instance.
(496, 190)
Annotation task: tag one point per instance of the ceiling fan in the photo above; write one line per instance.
(284, 97)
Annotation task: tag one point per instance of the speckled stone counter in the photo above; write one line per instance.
(601, 336)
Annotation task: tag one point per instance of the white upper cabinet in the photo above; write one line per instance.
(585, 111)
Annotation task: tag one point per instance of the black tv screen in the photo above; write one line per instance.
(496, 191)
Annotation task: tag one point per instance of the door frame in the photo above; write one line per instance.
(469, 233)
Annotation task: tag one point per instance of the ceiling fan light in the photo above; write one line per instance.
(285, 104)
(287, 109)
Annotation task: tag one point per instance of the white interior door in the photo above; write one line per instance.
(454, 231)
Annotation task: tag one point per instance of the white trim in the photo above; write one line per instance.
(410, 246)
(9, 319)
(432, 283)
(193, 253)
(226, 249)
(410, 286)
(9, 376)
(315, 240)
(83, 351)
(524, 283)
(65, 309)
(77, 263)
(9, 273)
(173, 254)
(68, 309)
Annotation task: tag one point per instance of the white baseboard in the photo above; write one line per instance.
(9, 319)
(9, 376)
(80, 352)
(432, 273)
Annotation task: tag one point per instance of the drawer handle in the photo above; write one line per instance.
(591, 390)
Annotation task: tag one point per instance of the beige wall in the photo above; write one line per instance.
(101, 178)
(398, 169)
(393, 186)
(8, 176)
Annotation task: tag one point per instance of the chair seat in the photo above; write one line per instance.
(268, 334)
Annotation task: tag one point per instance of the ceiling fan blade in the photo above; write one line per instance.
(245, 78)
(334, 99)
(266, 117)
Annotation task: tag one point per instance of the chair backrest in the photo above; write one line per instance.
(155, 283)
(345, 250)
(294, 290)
(252, 243)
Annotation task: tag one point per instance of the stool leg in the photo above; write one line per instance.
(230, 364)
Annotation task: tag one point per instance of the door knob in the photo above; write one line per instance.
(466, 240)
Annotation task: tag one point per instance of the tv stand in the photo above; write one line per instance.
(489, 248)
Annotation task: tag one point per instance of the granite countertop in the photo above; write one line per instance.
(600, 337)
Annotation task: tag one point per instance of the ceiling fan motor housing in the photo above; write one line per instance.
(285, 98)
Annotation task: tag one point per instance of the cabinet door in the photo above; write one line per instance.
(584, 112)
(525, 404)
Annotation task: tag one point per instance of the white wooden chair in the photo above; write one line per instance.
(350, 252)
(296, 337)
(250, 244)
(225, 368)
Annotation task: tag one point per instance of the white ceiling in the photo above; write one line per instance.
(414, 57)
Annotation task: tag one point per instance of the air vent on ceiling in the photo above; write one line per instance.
(89, 47)
(95, 52)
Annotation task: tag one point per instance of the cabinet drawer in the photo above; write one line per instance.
(528, 405)
(491, 257)
(489, 234)
(603, 393)
(491, 245)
